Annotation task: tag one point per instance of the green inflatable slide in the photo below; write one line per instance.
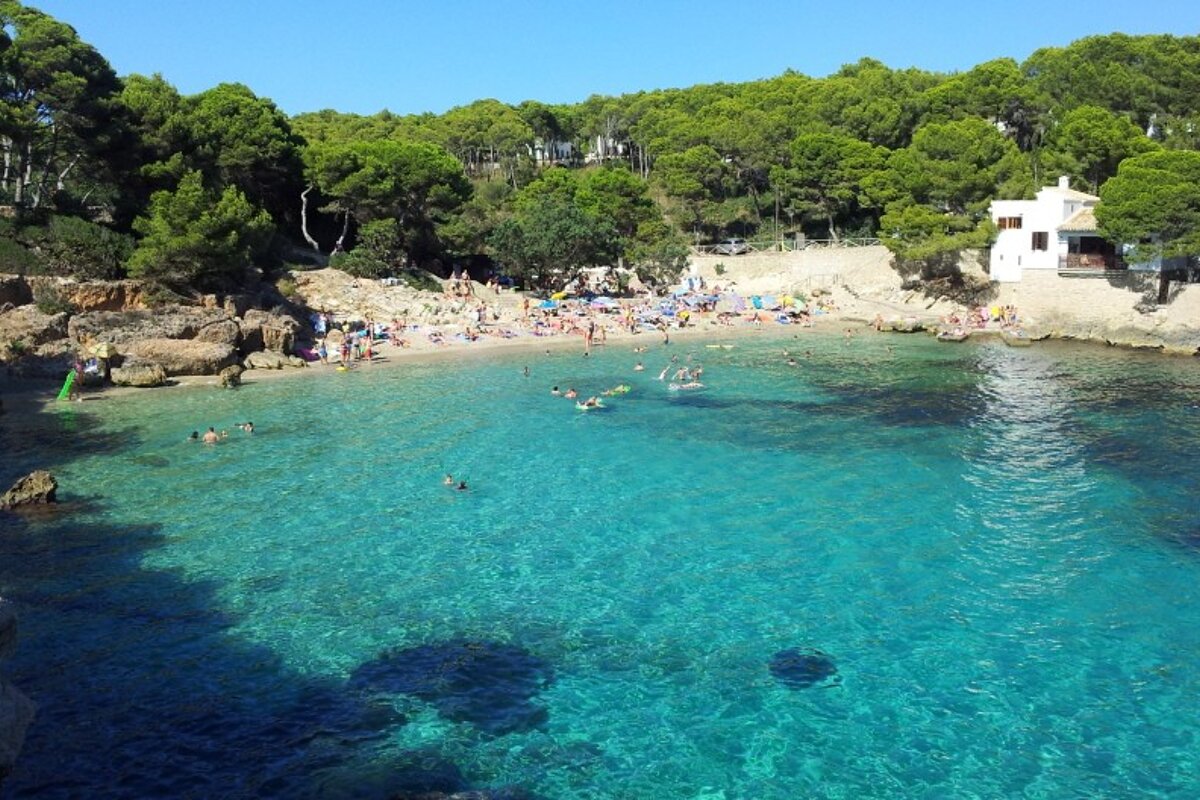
(67, 384)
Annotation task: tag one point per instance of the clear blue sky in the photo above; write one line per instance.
(363, 56)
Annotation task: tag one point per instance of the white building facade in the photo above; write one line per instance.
(1055, 231)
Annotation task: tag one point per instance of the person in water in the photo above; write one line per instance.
(194, 436)
(571, 393)
(448, 480)
(462, 486)
(211, 437)
(638, 367)
(555, 391)
(248, 427)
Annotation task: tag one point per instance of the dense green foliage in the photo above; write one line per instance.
(911, 156)
(1154, 202)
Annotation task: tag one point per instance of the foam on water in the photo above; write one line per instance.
(994, 550)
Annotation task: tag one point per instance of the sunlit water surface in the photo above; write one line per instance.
(985, 561)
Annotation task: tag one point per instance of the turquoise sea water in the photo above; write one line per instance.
(997, 549)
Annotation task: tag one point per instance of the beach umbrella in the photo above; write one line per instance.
(104, 350)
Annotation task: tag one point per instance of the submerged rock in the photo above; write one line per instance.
(231, 376)
(38, 488)
(16, 710)
(801, 668)
(488, 684)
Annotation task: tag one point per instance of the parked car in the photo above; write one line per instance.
(732, 247)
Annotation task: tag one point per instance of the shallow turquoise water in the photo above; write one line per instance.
(998, 549)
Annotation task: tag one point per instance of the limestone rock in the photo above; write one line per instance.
(297, 361)
(265, 359)
(14, 291)
(231, 376)
(38, 488)
(30, 327)
(121, 327)
(225, 331)
(907, 325)
(94, 295)
(264, 330)
(182, 356)
(139, 373)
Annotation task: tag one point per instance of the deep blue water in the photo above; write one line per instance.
(897, 569)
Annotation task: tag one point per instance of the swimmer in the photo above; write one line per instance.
(526, 372)
(448, 480)
(462, 486)
(555, 391)
(211, 437)
(194, 436)
(248, 427)
(662, 376)
(571, 393)
(639, 367)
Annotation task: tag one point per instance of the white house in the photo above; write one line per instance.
(1057, 230)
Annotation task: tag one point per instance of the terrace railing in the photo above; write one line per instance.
(781, 246)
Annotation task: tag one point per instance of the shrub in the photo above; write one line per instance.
(74, 247)
(18, 259)
(719, 268)
(49, 299)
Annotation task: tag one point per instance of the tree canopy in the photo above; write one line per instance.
(909, 155)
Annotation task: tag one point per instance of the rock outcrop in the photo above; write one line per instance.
(38, 488)
(265, 359)
(121, 327)
(93, 295)
(231, 377)
(14, 291)
(144, 375)
(263, 330)
(182, 356)
(16, 710)
(27, 326)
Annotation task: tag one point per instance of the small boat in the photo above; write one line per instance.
(952, 336)
(1016, 338)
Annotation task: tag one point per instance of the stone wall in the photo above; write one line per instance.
(866, 269)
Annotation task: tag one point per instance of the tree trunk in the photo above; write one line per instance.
(304, 218)
(338, 248)
(833, 234)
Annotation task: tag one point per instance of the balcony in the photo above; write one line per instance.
(1089, 264)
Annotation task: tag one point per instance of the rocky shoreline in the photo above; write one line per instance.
(47, 323)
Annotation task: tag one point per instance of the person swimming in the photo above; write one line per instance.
(448, 480)
(555, 391)
(638, 367)
(571, 393)
(211, 437)
(194, 436)
(462, 486)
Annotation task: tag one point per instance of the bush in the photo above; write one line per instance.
(360, 264)
(18, 259)
(287, 287)
(50, 300)
(719, 268)
(74, 247)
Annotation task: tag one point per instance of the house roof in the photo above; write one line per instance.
(1071, 194)
(1082, 221)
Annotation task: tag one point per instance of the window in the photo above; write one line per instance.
(1009, 223)
(1041, 240)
